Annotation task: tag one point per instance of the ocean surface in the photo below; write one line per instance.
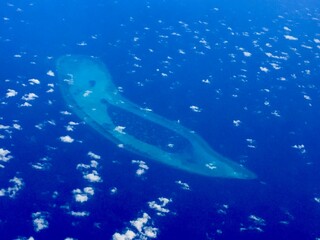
(244, 75)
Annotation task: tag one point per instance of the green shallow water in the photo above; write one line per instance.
(88, 90)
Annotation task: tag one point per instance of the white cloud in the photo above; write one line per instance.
(287, 29)
(42, 164)
(140, 171)
(89, 190)
(264, 69)
(2, 192)
(93, 155)
(195, 108)
(144, 227)
(33, 81)
(181, 51)
(207, 81)
(79, 214)
(69, 128)
(89, 172)
(66, 139)
(316, 40)
(183, 185)
(11, 93)
(65, 113)
(29, 97)
(113, 190)
(40, 221)
(284, 56)
(257, 220)
(159, 206)
(17, 126)
(292, 38)
(236, 123)
(4, 127)
(247, 54)
(275, 66)
(142, 167)
(300, 147)
(83, 195)
(50, 73)
(71, 125)
(140, 222)
(4, 155)
(17, 185)
(80, 196)
(120, 129)
(251, 143)
(82, 166)
(83, 43)
(87, 93)
(150, 232)
(94, 163)
(211, 166)
(276, 113)
(128, 235)
(25, 104)
(141, 225)
(93, 176)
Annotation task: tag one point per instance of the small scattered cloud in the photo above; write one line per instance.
(79, 214)
(17, 126)
(236, 123)
(183, 185)
(29, 97)
(254, 223)
(83, 195)
(128, 235)
(120, 129)
(89, 171)
(264, 69)
(291, 38)
(42, 164)
(11, 93)
(71, 125)
(66, 139)
(50, 73)
(93, 155)
(160, 205)
(34, 81)
(300, 147)
(142, 167)
(195, 108)
(5, 155)
(40, 221)
(142, 229)
(207, 81)
(16, 185)
(92, 177)
(25, 104)
(65, 113)
(247, 54)
(113, 190)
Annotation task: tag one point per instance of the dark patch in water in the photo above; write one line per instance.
(92, 83)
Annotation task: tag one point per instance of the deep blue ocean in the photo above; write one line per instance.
(244, 75)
